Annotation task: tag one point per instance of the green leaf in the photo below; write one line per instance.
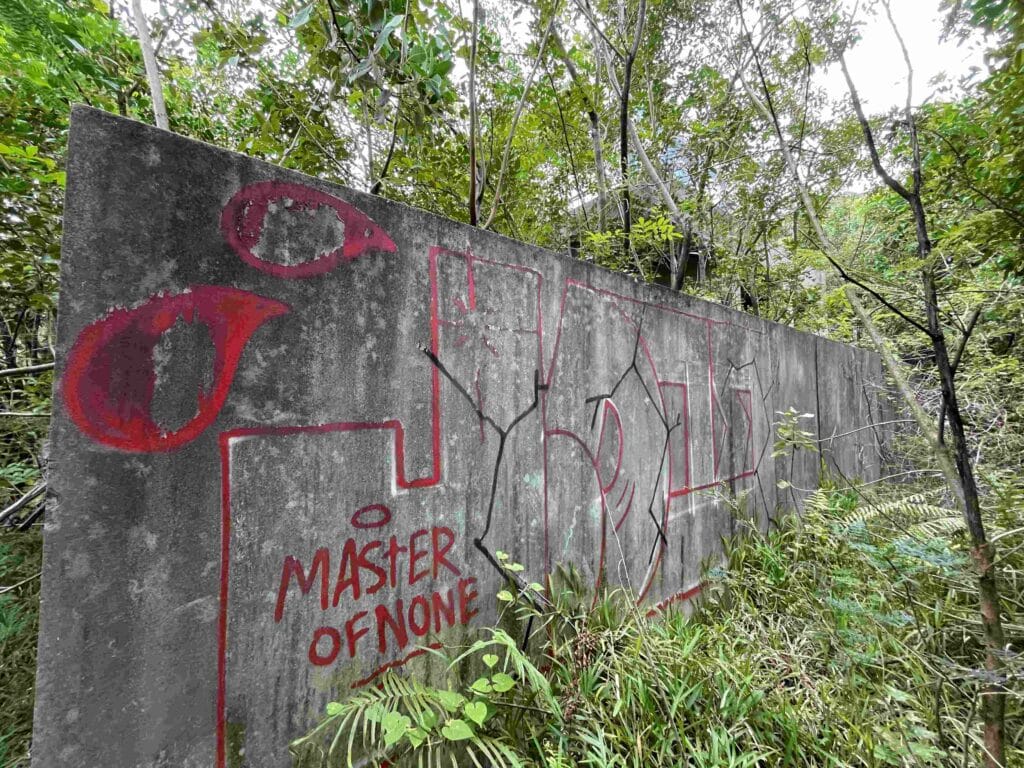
(481, 685)
(502, 682)
(457, 730)
(360, 69)
(416, 736)
(490, 660)
(451, 700)
(301, 18)
(505, 596)
(385, 32)
(334, 708)
(428, 717)
(395, 727)
(392, 24)
(476, 711)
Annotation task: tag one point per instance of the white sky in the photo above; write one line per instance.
(876, 62)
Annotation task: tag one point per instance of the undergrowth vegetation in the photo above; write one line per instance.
(20, 564)
(849, 637)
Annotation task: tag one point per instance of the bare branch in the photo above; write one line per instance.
(23, 502)
(589, 16)
(869, 136)
(769, 114)
(909, 107)
(152, 70)
(472, 115)
(26, 370)
(627, 79)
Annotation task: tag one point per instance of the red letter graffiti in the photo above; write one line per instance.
(293, 567)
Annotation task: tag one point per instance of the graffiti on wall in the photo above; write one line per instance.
(664, 426)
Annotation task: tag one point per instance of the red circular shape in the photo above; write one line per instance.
(314, 651)
(385, 516)
(242, 222)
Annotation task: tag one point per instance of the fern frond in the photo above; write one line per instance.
(912, 514)
(938, 527)
(481, 751)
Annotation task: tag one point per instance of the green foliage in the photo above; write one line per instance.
(790, 433)
(847, 638)
(20, 564)
(372, 93)
(651, 240)
(54, 53)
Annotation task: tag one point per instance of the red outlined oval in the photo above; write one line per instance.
(243, 219)
(384, 518)
(109, 378)
(611, 430)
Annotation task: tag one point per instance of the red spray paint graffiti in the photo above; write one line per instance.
(364, 568)
(109, 385)
(243, 219)
(110, 379)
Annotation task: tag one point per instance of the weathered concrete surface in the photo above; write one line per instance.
(264, 491)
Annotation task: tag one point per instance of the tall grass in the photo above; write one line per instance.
(849, 638)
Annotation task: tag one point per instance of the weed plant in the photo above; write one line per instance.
(846, 638)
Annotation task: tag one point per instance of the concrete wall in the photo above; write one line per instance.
(295, 422)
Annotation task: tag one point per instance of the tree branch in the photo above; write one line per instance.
(869, 136)
(152, 70)
(26, 370)
(472, 115)
(518, 113)
(808, 204)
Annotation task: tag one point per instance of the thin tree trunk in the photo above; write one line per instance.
(379, 182)
(595, 131)
(472, 116)
(518, 113)
(683, 261)
(627, 78)
(368, 130)
(7, 345)
(152, 70)
(568, 149)
(600, 42)
(960, 473)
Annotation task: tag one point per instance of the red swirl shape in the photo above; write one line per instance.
(243, 219)
(110, 378)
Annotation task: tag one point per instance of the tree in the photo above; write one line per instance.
(955, 459)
